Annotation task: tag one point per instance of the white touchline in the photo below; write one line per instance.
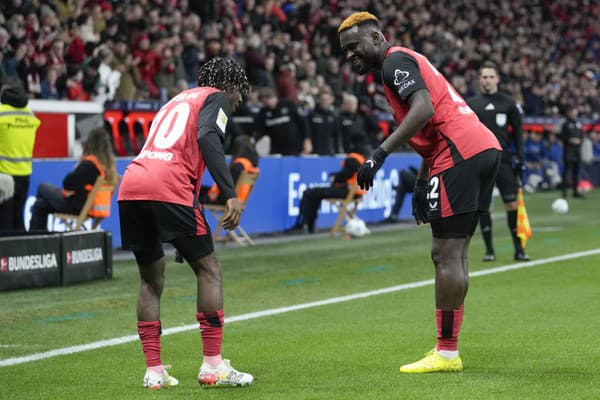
(266, 313)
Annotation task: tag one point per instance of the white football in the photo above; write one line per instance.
(356, 227)
(560, 206)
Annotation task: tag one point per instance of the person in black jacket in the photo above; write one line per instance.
(324, 133)
(280, 121)
(406, 184)
(97, 159)
(571, 135)
(340, 182)
(355, 128)
(502, 115)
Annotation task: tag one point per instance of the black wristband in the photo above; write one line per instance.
(379, 154)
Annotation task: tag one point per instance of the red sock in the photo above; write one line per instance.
(211, 330)
(448, 326)
(149, 333)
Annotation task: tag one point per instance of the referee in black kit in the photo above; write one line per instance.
(502, 115)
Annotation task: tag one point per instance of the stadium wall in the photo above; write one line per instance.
(273, 204)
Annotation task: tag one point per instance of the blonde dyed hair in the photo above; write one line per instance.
(357, 18)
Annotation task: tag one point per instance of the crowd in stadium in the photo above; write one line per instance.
(97, 50)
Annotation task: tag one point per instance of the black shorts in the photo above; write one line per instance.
(507, 184)
(465, 188)
(145, 225)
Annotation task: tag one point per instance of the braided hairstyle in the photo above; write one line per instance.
(224, 74)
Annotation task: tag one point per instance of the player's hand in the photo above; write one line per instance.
(419, 201)
(233, 213)
(369, 168)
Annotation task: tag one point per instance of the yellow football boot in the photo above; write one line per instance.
(433, 362)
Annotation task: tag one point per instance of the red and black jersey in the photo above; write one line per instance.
(186, 136)
(454, 133)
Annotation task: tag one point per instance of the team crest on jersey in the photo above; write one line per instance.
(500, 119)
(222, 120)
(400, 76)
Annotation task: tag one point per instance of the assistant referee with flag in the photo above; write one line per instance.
(502, 115)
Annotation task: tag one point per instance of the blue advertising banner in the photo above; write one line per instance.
(274, 203)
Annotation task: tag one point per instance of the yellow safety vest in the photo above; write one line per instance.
(17, 137)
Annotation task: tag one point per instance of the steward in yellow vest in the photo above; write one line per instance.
(18, 127)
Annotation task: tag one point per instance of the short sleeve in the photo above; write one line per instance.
(401, 74)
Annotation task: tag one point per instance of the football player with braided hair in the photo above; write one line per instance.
(455, 181)
(158, 202)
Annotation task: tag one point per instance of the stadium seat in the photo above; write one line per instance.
(75, 222)
(238, 234)
(114, 119)
(144, 119)
(347, 207)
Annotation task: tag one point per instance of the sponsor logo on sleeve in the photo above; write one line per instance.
(402, 80)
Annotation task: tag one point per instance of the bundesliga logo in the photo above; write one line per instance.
(84, 256)
(28, 262)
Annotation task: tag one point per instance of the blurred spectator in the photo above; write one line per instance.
(353, 126)
(125, 65)
(571, 135)
(107, 84)
(334, 79)
(56, 57)
(243, 123)
(534, 155)
(75, 50)
(192, 55)
(280, 120)
(149, 62)
(86, 28)
(91, 77)
(111, 31)
(324, 131)
(553, 164)
(169, 73)
(287, 87)
(48, 86)
(406, 184)
(74, 85)
(591, 169)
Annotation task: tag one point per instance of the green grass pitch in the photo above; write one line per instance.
(528, 333)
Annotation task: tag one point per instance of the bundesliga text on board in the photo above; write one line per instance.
(84, 256)
(28, 262)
